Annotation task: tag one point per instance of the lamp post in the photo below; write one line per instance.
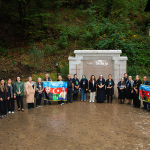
(57, 69)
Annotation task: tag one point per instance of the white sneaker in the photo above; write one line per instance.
(93, 101)
(9, 112)
(90, 101)
(40, 106)
(62, 103)
(12, 112)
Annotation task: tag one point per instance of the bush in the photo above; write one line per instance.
(64, 71)
(50, 49)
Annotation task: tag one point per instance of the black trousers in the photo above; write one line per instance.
(145, 105)
(19, 100)
(38, 100)
(136, 101)
(75, 96)
(30, 105)
(108, 98)
(3, 107)
(11, 105)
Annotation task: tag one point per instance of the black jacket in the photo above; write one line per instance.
(69, 83)
(101, 82)
(13, 90)
(91, 87)
(110, 91)
(4, 95)
(49, 79)
(36, 91)
(136, 85)
(145, 83)
(76, 83)
(84, 84)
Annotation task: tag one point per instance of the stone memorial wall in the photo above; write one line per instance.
(97, 62)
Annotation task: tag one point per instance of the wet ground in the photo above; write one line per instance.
(77, 126)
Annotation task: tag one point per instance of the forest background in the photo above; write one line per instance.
(35, 34)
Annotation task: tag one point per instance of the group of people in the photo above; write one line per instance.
(127, 88)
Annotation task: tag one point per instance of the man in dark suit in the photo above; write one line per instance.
(47, 96)
(47, 78)
(145, 82)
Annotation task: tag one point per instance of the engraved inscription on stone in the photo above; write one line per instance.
(89, 63)
(101, 63)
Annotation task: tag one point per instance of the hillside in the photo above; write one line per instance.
(35, 35)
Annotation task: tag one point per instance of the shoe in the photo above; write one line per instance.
(18, 109)
(70, 102)
(49, 103)
(84, 100)
(5, 115)
(37, 106)
(9, 112)
(77, 100)
(90, 101)
(129, 104)
(44, 104)
(133, 106)
(108, 102)
(148, 110)
(93, 101)
(66, 102)
(81, 100)
(73, 100)
(40, 106)
(12, 112)
(62, 103)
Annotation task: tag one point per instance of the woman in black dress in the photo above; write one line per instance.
(76, 88)
(121, 90)
(109, 87)
(101, 96)
(4, 97)
(129, 90)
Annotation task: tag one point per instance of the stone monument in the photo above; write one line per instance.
(97, 62)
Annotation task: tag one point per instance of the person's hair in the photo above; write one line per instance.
(125, 73)
(91, 78)
(39, 78)
(130, 77)
(122, 78)
(46, 74)
(109, 75)
(138, 76)
(145, 77)
(75, 74)
(29, 77)
(5, 84)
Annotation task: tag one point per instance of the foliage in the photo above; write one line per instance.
(64, 71)
(36, 58)
(50, 49)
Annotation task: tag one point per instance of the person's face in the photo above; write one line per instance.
(137, 78)
(92, 77)
(122, 79)
(39, 80)
(9, 81)
(59, 77)
(75, 76)
(129, 78)
(125, 75)
(46, 76)
(109, 76)
(68, 76)
(2, 82)
(47, 89)
(83, 77)
(18, 79)
(101, 77)
(30, 79)
(144, 78)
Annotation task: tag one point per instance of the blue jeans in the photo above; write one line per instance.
(46, 101)
(69, 94)
(83, 95)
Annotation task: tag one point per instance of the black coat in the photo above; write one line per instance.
(136, 85)
(49, 79)
(84, 84)
(36, 91)
(129, 88)
(4, 95)
(146, 83)
(69, 83)
(121, 93)
(91, 87)
(13, 90)
(110, 91)
(76, 83)
(101, 96)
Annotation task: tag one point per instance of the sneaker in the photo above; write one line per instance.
(62, 103)
(12, 112)
(40, 106)
(84, 100)
(90, 101)
(93, 101)
(71, 102)
(9, 112)
(37, 106)
(81, 100)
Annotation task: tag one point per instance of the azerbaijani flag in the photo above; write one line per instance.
(144, 92)
(57, 90)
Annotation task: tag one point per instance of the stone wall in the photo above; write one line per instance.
(95, 62)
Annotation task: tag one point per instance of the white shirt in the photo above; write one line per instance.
(93, 82)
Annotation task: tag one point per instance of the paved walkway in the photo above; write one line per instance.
(77, 126)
